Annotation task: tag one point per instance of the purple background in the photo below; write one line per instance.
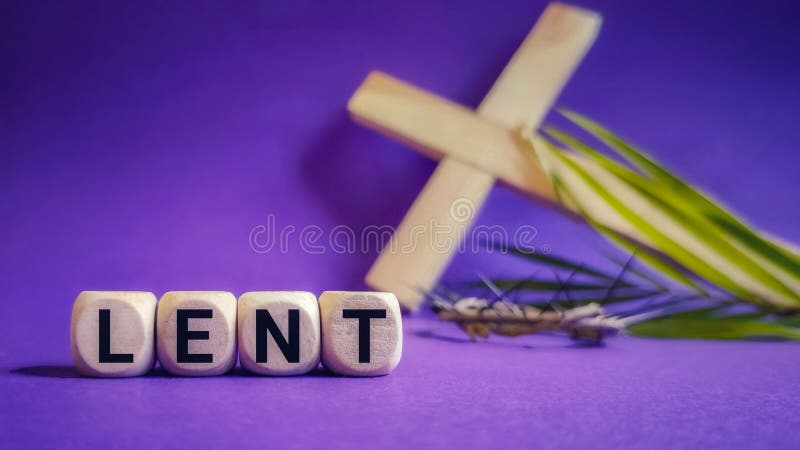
(140, 144)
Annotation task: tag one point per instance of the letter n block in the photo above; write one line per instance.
(362, 332)
(196, 332)
(279, 332)
(111, 333)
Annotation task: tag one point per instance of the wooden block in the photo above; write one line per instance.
(519, 98)
(196, 332)
(279, 332)
(111, 333)
(362, 332)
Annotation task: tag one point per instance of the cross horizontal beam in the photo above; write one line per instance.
(438, 128)
(442, 129)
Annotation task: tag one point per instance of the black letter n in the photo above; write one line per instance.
(265, 324)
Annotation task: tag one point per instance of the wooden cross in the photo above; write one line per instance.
(474, 147)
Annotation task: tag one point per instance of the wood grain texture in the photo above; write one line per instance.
(441, 129)
(340, 335)
(131, 324)
(221, 328)
(520, 97)
(541, 66)
(278, 305)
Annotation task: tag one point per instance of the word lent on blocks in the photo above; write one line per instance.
(199, 333)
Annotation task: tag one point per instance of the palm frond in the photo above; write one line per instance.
(704, 324)
(674, 221)
(679, 233)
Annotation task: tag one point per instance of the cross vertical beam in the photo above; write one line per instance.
(410, 263)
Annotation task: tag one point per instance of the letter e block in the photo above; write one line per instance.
(362, 332)
(112, 333)
(279, 332)
(196, 332)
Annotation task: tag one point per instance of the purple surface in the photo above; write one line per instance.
(140, 145)
(447, 392)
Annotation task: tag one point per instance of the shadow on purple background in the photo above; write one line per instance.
(141, 143)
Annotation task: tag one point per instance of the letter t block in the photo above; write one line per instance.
(362, 332)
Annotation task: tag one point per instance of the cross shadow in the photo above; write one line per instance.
(430, 334)
(361, 179)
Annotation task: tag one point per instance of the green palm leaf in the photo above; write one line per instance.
(704, 324)
(759, 271)
(684, 193)
(544, 151)
(651, 232)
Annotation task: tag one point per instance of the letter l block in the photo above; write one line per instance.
(111, 334)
